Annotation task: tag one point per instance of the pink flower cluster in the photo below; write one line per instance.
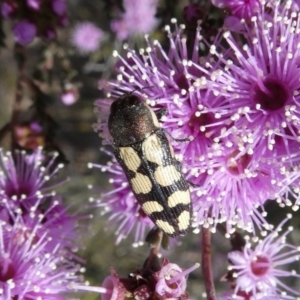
(239, 105)
(256, 271)
(138, 18)
(156, 280)
(86, 37)
(37, 235)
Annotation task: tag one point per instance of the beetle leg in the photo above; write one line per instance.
(182, 140)
(193, 185)
(161, 112)
(188, 139)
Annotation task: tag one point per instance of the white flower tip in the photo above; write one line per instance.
(167, 28)
(197, 265)
(226, 34)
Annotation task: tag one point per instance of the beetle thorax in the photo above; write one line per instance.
(131, 121)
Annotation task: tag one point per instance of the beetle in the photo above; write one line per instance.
(148, 161)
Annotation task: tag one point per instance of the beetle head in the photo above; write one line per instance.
(131, 120)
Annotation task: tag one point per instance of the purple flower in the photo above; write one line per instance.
(28, 271)
(139, 18)
(218, 167)
(112, 288)
(59, 7)
(172, 281)
(259, 87)
(7, 10)
(86, 37)
(60, 226)
(257, 82)
(23, 178)
(37, 235)
(239, 105)
(121, 205)
(257, 270)
(120, 28)
(234, 185)
(34, 4)
(24, 192)
(24, 32)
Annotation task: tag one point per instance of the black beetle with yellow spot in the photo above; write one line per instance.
(147, 158)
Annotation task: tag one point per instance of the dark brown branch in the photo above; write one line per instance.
(206, 264)
(152, 262)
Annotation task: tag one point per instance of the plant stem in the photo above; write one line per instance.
(20, 59)
(206, 264)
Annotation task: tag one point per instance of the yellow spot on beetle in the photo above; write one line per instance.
(154, 117)
(150, 207)
(179, 197)
(184, 220)
(130, 158)
(167, 175)
(165, 226)
(171, 151)
(141, 184)
(153, 150)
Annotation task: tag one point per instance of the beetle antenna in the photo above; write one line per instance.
(139, 89)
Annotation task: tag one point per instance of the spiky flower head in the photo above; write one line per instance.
(172, 281)
(257, 270)
(175, 80)
(28, 270)
(24, 178)
(24, 32)
(238, 105)
(86, 37)
(27, 198)
(259, 81)
(259, 86)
